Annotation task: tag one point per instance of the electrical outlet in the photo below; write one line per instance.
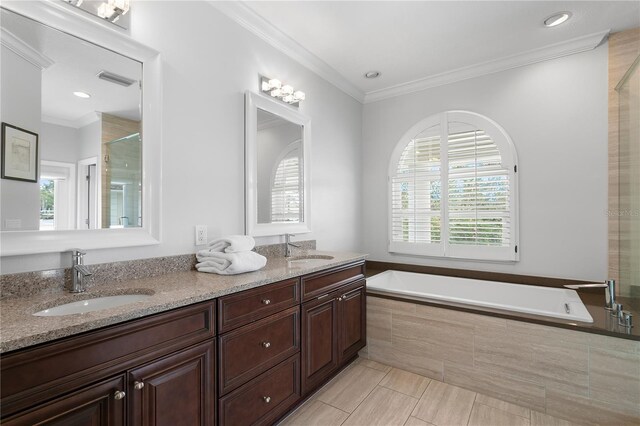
(201, 235)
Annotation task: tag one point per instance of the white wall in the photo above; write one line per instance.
(209, 62)
(59, 143)
(20, 107)
(90, 140)
(556, 114)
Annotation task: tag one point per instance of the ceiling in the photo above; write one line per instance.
(409, 41)
(73, 65)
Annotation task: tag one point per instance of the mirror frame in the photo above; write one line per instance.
(77, 23)
(253, 101)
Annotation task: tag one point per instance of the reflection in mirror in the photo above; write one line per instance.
(277, 152)
(280, 186)
(86, 108)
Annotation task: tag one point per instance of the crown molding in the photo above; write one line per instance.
(256, 24)
(75, 124)
(553, 51)
(24, 50)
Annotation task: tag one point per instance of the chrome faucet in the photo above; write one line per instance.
(78, 271)
(610, 294)
(288, 244)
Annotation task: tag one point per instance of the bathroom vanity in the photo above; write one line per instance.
(246, 357)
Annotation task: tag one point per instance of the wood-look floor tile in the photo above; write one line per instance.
(483, 415)
(541, 419)
(442, 404)
(383, 407)
(414, 421)
(405, 382)
(503, 405)
(350, 388)
(379, 323)
(459, 317)
(316, 413)
(373, 364)
(563, 367)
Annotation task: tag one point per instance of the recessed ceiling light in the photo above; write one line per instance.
(372, 74)
(83, 95)
(557, 19)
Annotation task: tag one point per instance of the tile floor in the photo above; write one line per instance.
(368, 393)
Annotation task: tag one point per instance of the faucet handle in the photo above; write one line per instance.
(77, 252)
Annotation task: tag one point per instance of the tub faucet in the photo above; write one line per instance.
(288, 244)
(610, 294)
(78, 271)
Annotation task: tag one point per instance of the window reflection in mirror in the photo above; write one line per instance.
(90, 148)
(280, 170)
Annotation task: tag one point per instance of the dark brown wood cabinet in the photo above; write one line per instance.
(95, 404)
(333, 329)
(90, 379)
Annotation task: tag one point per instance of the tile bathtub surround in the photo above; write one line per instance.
(564, 373)
(19, 328)
(31, 283)
(371, 393)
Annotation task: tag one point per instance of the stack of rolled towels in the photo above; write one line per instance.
(230, 255)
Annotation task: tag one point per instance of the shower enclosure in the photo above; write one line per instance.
(629, 179)
(122, 183)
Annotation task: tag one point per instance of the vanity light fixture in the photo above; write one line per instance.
(557, 19)
(285, 93)
(111, 10)
(83, 95)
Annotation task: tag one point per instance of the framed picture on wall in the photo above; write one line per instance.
(19, 154)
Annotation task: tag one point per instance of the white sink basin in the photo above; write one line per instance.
(90, 305)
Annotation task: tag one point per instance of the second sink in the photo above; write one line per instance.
(90, 305)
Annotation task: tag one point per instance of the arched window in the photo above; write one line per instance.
(453, 189)
(286, 186)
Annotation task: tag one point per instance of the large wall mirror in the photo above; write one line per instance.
(277, 149)
(79, 86)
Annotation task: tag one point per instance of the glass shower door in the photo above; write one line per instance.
(123, 202)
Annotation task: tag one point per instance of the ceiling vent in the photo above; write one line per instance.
(115, 78)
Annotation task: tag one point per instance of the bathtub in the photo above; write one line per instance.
(546, 301)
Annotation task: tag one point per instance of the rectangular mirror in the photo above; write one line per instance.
(78, 85)
(277, 144)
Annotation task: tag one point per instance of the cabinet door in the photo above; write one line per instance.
(178, 389)
(319, 340)
(351, 321)
(93, 405)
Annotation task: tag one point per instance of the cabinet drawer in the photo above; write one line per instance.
(316, 284)
(254, 348)
(33, 375)
(264, 399)
(247, 306)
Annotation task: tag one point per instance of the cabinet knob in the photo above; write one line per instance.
(266, 399)
(119, 395)
(138, 385)
(266, 301)
(266, 344)
(340, 299)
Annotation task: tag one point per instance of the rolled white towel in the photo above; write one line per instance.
(230, 263)
(232, 244)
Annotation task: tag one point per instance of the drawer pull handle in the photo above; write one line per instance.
(138, 385)
(266, 344)
(267, 399)
(323, 296)
(119, 395)
(266, 301)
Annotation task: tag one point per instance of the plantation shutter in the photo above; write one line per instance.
(478, 190)
(453, 190)
(415, 193)
(286, 191)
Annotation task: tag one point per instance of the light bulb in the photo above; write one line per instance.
(265, 86)
(105, 11)
(276, 93)
(289, 99)
(275, 83)
(287, 90)
(299, 95)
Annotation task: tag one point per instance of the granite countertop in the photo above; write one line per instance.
(20, 329)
